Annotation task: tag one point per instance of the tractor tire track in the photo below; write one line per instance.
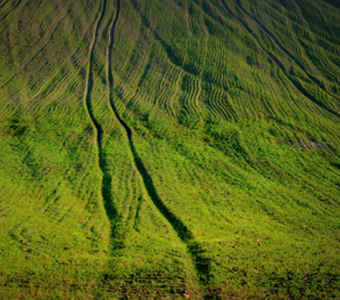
(283, 49)
(202, 264)
(110, 209)
(3, 3)
(13, 8)
(296, 83)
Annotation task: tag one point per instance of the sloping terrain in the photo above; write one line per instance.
(170, 149)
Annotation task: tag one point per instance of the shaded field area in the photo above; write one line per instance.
(169, 149)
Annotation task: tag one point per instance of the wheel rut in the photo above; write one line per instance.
(12, 9)
(296, 83)
(3, 3)
(195, 250)
(202, 264)
(103, 165)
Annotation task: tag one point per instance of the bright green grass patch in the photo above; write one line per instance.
(226, 186)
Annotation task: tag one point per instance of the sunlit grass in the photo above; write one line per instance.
(217, 174)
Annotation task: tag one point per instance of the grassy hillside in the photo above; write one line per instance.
(170, 149)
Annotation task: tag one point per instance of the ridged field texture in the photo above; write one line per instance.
(170, 149)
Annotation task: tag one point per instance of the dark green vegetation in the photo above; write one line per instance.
(169, 149)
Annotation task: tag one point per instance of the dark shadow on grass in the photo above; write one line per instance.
(202, 264)
(106, 190)
(13, 8)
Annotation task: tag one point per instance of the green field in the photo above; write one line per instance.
(179, 149)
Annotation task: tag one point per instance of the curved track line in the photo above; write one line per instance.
(13, 8)
(3, 3)
(36, 54)
(297, 84)
(202, 264)
(283, 49)
(106, 179)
